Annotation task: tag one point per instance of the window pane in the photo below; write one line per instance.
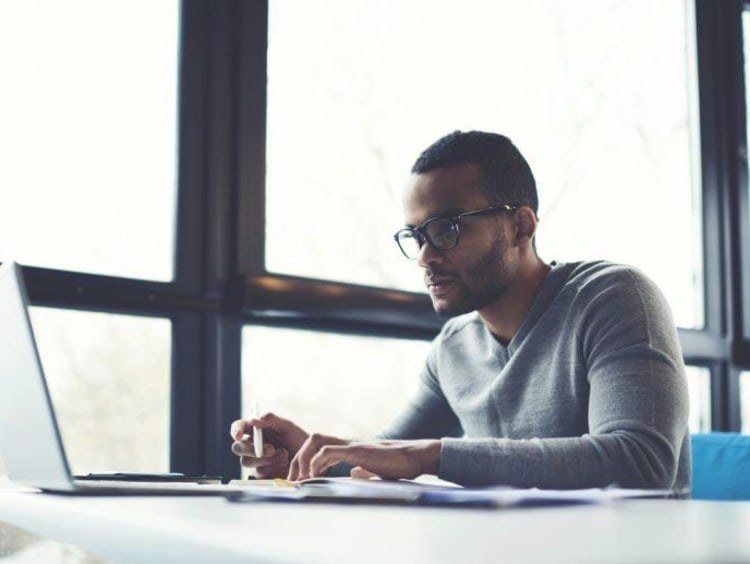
(745, 401)
(699, 389)
(607, 123)
(109, 379)
(88, 135)
(339, 384)
(746, 187)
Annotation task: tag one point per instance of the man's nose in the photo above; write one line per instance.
(429, 255)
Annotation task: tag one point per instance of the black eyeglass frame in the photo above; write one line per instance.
(420, 233)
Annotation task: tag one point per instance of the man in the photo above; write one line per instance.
(549, 376)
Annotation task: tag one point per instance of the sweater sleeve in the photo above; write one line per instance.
(637, 411)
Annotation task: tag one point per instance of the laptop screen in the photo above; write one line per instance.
(30, 440)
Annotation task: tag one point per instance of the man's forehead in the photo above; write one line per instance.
(443, 190)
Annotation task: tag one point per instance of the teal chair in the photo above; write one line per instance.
(721, 466)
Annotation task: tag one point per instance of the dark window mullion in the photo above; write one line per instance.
(251, 138)
(190, 226)
(733, 115)
(712, 162)
(222, 399)
(735, 216)
(94, 292)
(191, 351)
(187, 409)
(720, 377)
(722, 141)
(221, 330)
(742, 204)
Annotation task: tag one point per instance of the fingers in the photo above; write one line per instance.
(281, 432)
(243, 427)
(282, 439)
(240, 428)
(274, 466)
(277, 470)
(330, 455)
(359, 473)
(390, 460)
(300, 467)
(237, 429)
(246, 449)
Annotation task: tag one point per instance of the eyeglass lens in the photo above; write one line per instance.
(409, 241)
(441, 233)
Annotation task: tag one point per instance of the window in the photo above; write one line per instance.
(610, 132)
(88, 135)
(339, 384)
(699, 389)
(108, 377)
(599, 95)
(745, 401)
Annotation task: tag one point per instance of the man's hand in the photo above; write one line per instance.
(282, 439)
(387, 459)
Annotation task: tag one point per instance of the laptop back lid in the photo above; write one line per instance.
(30, 442)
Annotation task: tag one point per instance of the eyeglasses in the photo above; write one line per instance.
(441, 232)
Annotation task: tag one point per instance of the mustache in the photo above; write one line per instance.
(433, 276)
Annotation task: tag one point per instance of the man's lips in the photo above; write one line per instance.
(438, 285)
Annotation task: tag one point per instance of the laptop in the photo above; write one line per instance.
(30, 442)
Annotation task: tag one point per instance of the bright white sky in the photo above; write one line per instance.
(89, 122)
(87, 134)
(598, 94)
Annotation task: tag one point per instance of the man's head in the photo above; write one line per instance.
(506, 176)
(470, 260)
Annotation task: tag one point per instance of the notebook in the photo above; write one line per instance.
(30, 442)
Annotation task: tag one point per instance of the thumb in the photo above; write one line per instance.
(245, 426)
(238, 428)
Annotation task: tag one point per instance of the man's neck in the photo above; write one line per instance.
(504, 317)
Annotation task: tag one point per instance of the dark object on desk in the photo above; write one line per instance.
(151, 477)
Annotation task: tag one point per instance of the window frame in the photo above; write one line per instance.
(724, 340)
(221, 282)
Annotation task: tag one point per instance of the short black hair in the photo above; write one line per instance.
(507, 177)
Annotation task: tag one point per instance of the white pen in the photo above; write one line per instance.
(257, 432)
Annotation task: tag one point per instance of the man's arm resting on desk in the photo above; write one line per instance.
(557, 463)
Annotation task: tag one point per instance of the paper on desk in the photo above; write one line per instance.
(347, 490)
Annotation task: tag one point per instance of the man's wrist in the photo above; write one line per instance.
(430, 456)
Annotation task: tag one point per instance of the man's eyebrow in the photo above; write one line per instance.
(450, 212)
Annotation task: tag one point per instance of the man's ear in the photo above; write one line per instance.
(526, 221)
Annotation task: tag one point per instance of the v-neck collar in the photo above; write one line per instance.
(548, 289)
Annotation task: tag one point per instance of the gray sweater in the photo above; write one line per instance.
(590, 392)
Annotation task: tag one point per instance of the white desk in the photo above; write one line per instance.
(191, 529)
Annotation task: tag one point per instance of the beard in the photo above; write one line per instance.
(484, 281)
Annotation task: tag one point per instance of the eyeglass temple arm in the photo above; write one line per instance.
(488, 211)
